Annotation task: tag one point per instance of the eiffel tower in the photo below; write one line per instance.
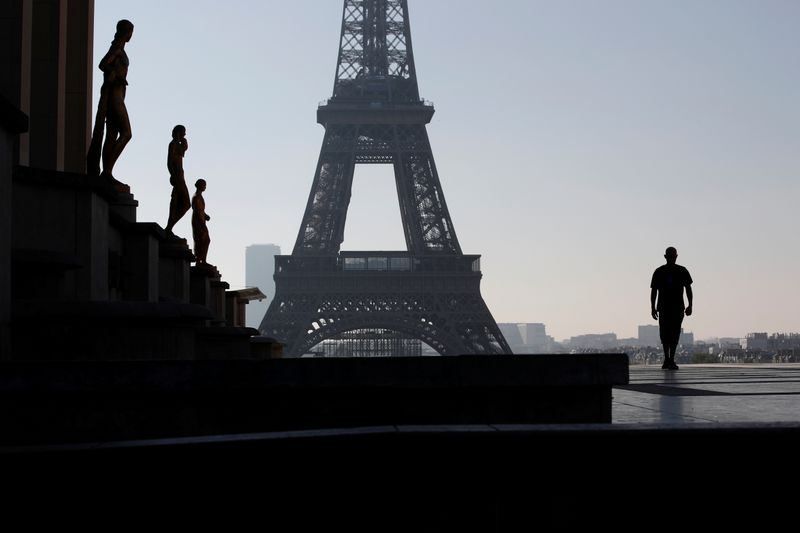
(431, 291)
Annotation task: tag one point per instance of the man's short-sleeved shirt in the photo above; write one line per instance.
(670, 280)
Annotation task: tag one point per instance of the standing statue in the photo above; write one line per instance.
(179, 203)
(199, 227)
(112, 115)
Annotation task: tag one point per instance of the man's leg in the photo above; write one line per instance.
(670, 331)
(665, 365)
(674, 346)
(675, 338)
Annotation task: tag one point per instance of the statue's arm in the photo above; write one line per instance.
(108, 59)
(175, 161)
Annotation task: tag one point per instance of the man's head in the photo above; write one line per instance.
(671, 255)
(178, 132)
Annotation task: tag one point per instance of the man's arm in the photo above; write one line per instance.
(653, 311)
(689, 297)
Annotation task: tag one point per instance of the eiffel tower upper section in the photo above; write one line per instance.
(375, 116)
(376, 59)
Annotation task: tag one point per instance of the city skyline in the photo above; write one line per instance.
(648, 334)
(561, 135)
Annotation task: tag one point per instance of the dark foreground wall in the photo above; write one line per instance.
(419, 479)
(61, 402)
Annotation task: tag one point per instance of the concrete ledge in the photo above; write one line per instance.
(52, 402)
(86, 311)
(65, 180)
(224, 342)
(93, 331)
(44, 259)
(603, 370)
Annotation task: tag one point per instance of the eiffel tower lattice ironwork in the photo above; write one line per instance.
(429, 292)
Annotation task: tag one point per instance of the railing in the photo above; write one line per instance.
(379, 103)
(361, 262)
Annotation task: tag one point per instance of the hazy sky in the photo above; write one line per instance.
(575, 140)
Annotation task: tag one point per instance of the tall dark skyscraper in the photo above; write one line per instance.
(259, 268)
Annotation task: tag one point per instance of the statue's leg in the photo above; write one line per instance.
(183, 201)
(108, 147)
(203, 245)
(172, 219)
(118, 130)
(123, 138)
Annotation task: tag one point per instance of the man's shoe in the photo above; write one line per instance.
(666, 366)
(672, 365)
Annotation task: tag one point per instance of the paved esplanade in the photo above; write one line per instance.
(721, 393)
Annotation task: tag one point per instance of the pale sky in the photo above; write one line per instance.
(575, 140)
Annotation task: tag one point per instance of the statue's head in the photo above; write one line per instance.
(178, 131)
(124, 30)
(200, 184)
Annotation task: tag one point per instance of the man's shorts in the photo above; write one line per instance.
(669, 324)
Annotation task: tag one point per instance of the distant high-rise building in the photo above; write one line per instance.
(649, 336)
(532, 333)
(687, 338)
(730, 342)
(756, 341)
(512, 334)
(527, 337)
(536, 338)
(259, 269)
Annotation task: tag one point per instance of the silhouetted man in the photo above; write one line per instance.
(668, 283)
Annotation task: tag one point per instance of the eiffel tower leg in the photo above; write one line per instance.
(422, 203)
(474, 324)
(322, 229)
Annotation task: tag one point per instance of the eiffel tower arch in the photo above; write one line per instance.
(430, 291)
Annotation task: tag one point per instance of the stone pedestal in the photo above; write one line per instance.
(63, 217)
(93, 242)
(235, 309)
(90, 283)
(201, 277)
(265, 348)
(124, 207)
(218, 288)
(106, 331)
(175, 258)
(141, 262)
(208, 289)
(236, 303)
